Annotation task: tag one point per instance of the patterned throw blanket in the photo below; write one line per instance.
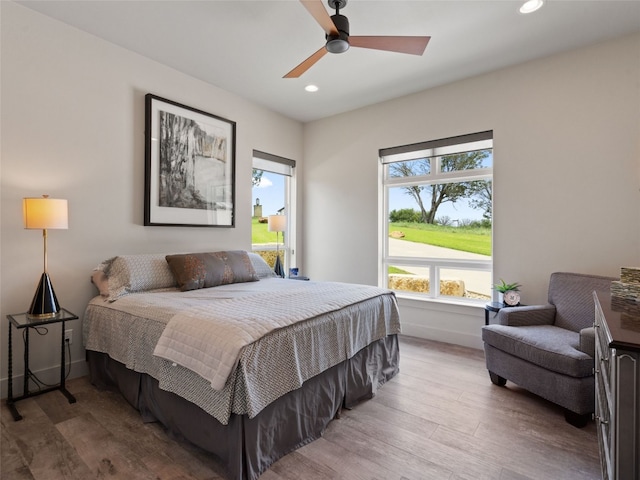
(208, 339)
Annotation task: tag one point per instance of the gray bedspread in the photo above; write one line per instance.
(277, 363)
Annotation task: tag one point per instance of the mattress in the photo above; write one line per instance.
(267, 368)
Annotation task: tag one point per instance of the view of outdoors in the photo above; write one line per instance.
(268, 193)
(439, 224)
(438, 219)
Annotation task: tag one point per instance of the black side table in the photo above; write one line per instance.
(492, 307)
(27, 322)
(496, 307)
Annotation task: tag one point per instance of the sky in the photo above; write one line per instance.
(270, 192)
(271, 195)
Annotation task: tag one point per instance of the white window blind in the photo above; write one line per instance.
(273, 163)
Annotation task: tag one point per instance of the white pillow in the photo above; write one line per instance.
(137, 273)
(262, 268)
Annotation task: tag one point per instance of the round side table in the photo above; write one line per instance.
(492, 307)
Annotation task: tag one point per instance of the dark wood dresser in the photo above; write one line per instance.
(617, 379)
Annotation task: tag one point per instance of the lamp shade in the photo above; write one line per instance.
(277, 223)
(44, 213)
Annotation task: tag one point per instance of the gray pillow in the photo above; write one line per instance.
(204, 270)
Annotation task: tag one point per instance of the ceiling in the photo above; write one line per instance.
(246, 47)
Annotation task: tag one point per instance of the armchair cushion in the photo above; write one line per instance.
(547, 346)
(529, 315)
(588, 341)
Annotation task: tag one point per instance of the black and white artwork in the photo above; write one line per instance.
(190, 157)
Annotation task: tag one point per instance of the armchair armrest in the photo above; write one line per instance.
(588, 341)
(529, 315)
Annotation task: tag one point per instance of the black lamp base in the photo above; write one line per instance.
(44, 303)
(278, 268)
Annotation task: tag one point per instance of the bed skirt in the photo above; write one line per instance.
(246, 447)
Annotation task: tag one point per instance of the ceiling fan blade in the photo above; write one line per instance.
(317, 11)
(307, 64)
(411, 45)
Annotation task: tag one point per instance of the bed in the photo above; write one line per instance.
(249, 370)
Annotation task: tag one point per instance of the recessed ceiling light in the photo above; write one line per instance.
(311, 88)
(531, 6)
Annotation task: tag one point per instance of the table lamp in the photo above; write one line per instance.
(277, 223)
(43, 214)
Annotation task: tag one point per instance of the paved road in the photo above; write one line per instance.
(479, 282)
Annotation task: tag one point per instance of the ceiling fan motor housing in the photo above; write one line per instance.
(339, 43)
(336, 28)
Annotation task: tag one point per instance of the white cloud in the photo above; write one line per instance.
(264, 183)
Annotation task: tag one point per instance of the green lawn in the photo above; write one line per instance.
(393, 269)
(260, 234)
(474, 240)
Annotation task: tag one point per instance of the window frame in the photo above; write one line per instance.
(433, 150)
(287, 168)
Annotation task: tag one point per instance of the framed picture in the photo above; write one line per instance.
(189, 166)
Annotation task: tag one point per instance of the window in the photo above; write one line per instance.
(273, 191)
(437, 218)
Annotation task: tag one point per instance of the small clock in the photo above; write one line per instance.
(511, 298)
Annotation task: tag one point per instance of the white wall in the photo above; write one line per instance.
(73, 127)
(567, 169)
(566, 175)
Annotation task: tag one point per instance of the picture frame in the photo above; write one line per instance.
(189, 166)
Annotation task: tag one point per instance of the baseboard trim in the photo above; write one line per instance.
(50, 375)
(440, 335)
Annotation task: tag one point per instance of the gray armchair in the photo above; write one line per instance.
(549, 349)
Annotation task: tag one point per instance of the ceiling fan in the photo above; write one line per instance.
(336, 28)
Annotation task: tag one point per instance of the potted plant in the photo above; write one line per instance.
(504, 287)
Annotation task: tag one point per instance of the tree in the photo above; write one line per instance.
(411, 169)
(404, 215)
(256, 177)
(483, 198)
(443, 192)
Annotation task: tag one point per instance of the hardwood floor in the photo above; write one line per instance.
(440, 418)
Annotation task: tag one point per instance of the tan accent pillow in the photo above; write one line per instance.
(101, 281)
(203, 270)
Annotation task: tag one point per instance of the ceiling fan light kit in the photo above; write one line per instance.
(338, 43)
(338, 40)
